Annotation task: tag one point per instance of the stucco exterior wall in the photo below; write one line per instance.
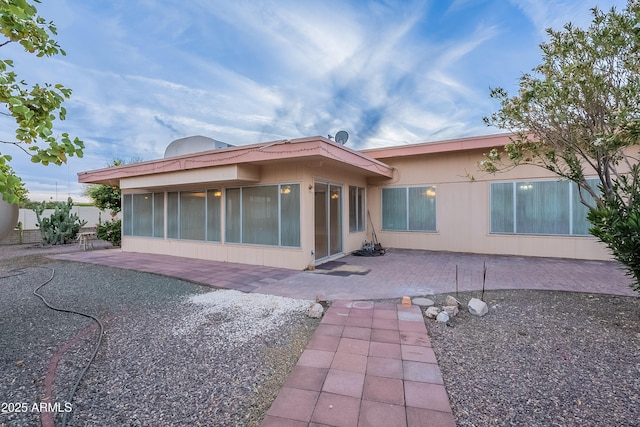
(463, 210)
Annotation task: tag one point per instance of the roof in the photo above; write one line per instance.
(460, 144)
(256, 154)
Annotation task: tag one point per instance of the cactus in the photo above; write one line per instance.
(62, 226)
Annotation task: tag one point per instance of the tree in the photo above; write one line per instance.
(108, 197)
(578, 115)
(34, 109)
(18, 188)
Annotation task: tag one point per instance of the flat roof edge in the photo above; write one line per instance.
(459, 144)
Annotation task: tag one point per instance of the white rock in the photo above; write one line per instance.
(315, 311)
(443, 317)
(423, 302)
(452, 310)
(477, 307)
(432, 312)
(452, 301)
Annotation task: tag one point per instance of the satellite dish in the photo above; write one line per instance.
(341, 137)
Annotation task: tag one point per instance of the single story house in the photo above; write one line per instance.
(297, 203)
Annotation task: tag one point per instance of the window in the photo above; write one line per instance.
(538, 207)
(143, 214)
(409, 208)
(263, 215)
(214, 218)
(194, 215)
(356, 209)
(193, 221)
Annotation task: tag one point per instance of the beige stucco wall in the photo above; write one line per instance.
(463, 212)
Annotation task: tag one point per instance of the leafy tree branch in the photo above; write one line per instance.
(35, 108)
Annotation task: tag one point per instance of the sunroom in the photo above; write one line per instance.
(291, 204)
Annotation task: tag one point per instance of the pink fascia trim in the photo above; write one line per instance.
(461, 144)
(256, 153)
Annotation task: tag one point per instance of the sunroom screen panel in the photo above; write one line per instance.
(192, 215)
(143, 215)
(214, 215)
(290, 215)
(260, 215)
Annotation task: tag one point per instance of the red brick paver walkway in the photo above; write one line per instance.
(367, 364)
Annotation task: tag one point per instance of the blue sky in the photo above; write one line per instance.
(146, 72)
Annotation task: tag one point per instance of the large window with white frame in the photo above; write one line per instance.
(538, 207)
(194, 215)
(409, 208)
(263, 215)
(356, 209)
(143, 215)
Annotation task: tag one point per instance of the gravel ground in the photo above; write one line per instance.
(173, 353)
(542, 358)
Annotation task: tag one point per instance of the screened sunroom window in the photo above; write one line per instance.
(409, 208)
(194, 215)
(356, 209)
(143, 215)
(538, 207)
(263, 215)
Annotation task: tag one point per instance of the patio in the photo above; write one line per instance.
(398, 273)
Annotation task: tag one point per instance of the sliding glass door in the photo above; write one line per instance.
(328, 219)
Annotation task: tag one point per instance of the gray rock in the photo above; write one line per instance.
(443, 317)
(477, 307)
(452, 310)
(432, 312)
(423, 302)
(452, 301)
(315, 311)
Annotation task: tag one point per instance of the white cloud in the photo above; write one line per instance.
(556, 13)
(145, 73)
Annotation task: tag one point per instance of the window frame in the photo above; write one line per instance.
(360, 206)
(238, 235)
(128, 212)
(407, 208)
(572, 204)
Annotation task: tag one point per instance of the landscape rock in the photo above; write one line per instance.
(423, 302)
(477, 307)
(452, 310)
(443, 317)
(315, 311)
(452, 301)
(432, 312)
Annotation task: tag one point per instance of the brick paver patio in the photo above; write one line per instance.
(396, 274)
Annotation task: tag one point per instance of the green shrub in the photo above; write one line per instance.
(111, 231)
(617, 224)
